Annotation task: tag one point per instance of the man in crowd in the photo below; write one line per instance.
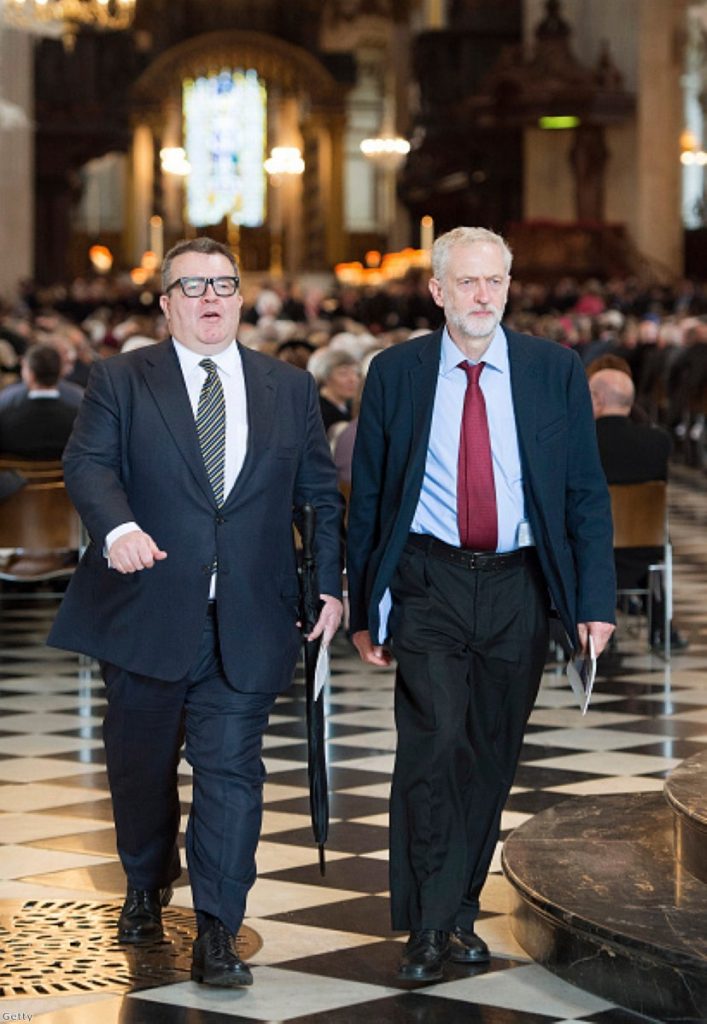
(186, 464)
(478, 500)
(37, 422)
(631, 453)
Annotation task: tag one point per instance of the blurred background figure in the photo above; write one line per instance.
(36, 424)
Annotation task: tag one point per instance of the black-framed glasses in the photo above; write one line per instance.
(195, 287)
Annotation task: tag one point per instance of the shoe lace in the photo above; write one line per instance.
(220, 942)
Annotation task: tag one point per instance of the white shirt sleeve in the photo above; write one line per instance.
(113, 536)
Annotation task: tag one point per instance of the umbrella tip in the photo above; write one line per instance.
(322, 862)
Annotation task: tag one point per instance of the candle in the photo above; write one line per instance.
(157, 238)
(427, 232)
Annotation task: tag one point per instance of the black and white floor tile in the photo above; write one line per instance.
(327, 952)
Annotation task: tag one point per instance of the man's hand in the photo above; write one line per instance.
(329, 619)
(134, 551)
(372, 654)
(600, 633)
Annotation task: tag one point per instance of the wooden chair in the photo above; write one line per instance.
(34, 469)
(640, 514)
(40, 535)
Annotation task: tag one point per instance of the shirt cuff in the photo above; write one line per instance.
(113, 536)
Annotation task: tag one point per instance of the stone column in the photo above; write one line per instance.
(323, 133)
(658, 223)
(140, 192)
(173, 185)
(16, 159)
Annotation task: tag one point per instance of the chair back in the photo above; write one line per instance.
(40, 518)
(639, 513)
(34, 469)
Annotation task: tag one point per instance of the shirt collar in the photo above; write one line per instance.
(495, 356)
(227, 361)
(44, 393)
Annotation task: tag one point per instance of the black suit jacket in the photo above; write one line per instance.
(135, 455)
(632, 453)
(36, 428)
(567, 500)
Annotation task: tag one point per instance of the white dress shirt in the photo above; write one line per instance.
(230, 371)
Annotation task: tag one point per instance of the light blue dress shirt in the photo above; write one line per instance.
(436, 511)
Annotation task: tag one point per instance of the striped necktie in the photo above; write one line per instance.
(211, 428)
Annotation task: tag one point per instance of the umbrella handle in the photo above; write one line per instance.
(309, 522)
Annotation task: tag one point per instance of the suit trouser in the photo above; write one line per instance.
(470, 646)
(145, 724)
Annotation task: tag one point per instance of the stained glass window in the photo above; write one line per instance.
(225, 132)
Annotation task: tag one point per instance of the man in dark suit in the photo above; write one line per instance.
(632, 453)
(187, 464)
(476, 503)
(37, 423)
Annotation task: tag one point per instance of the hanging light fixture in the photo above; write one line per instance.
(389, 151)
(69, 15)
(284, 160)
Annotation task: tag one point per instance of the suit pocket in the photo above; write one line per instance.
(552, 430)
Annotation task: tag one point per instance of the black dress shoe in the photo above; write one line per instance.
(140, 919)
(465, 947)
(215, 963)
(424, 956)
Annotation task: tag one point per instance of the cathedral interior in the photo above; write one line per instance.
(576, 129)
(481, 92)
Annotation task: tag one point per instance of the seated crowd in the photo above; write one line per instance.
(645, 349)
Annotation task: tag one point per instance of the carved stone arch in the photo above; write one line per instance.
(316, 224)
(280, 63)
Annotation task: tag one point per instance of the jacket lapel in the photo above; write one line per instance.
(423, 385)
(164, 378)
(524, 388)
(260, 398)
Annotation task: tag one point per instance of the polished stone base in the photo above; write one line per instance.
(686, 793)
(601, 901)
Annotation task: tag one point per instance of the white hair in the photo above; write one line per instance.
(466, 236)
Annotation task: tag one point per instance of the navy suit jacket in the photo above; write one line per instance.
(567, 500)
(134, 456)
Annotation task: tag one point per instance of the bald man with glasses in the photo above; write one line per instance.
(187, 464)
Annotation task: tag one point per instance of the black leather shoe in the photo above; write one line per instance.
(215, 963)
(424, 956)
(140, 919)
(465, 947)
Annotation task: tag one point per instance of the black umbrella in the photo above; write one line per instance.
(311, 605)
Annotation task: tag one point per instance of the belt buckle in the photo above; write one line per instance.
(471, 558)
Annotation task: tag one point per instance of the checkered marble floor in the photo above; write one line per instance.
(327, 953)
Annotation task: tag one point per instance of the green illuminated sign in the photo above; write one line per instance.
(563, 121)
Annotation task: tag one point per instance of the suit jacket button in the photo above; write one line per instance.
(220, 520)
(206, 569)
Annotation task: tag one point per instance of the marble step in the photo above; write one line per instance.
(600, 899)
(686, 793)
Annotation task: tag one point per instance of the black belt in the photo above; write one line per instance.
(486, 561)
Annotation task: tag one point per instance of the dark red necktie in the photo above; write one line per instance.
(476, 492)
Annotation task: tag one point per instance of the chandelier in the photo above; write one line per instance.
(69, 15)
(387, 150)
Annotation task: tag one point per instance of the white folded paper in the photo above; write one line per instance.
(322, 670)
(581, 671)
